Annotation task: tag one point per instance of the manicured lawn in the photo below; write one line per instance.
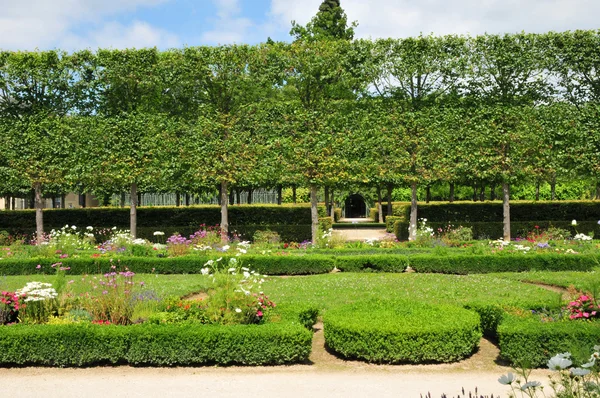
(580, 280)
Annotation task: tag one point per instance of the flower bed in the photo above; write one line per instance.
(397, 332)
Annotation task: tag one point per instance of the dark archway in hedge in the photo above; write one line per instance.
(355, 206)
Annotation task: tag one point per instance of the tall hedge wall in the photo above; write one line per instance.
(291, 222)
(520, 211)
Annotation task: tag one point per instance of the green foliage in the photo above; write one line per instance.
(158, 345)
(330, 23)
(266, 237)
(526, 341)
(398, 332)
(325, 223)
(468, 264)
(372, 263)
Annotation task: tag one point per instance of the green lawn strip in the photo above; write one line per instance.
(587, 281)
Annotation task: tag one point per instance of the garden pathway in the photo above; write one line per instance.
(325, 376)
(358, 234)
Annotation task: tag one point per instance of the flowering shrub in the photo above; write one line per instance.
(453, 236)
(178, 245)
(584, 307)
(207, 237)
(110, 298)
(236, 295)
(40, 300)
(10, 304)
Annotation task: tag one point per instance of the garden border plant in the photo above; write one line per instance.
(398, 332)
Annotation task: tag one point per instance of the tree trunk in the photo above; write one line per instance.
(122, 200)
(279, 193)
(537, 191)
(553, 189)
(314, 213)
(231, 197)
(294, 194)
(451, 199)
(482, 192)
(14, 203)
(427, 194)
(493, 191)
(7, 203)
(506, 210)
(412, 230)
(187, 199)
(597, 191)
(475, 192)
(177, 199)
(238, 196)
(224, 213)
(32, 199)
(379, 205)
(332, 206)
(139, 199)
(250, 192)
(390, 188)
(39, 216)
(133, 211)
(326, 200)
(53, 202)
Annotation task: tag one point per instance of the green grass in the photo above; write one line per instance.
(587, 281)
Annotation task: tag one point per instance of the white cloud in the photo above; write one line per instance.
(115, 35)
(402, 18)
(25, 25)
(229, 27)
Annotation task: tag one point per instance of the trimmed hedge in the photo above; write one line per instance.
(306, 263)
(379, 263)
(530, 342)
(253, 217)
(481, 264)
(390, 221)
(494, 230)
(399, 332)
(520, 211)
(269, 265)
(155, 345)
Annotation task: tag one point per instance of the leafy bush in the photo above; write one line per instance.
(526, 341)
(157, 345)
(396, 332)
(379, 263)
(266, 237)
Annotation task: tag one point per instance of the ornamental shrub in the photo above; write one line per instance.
(398, 332)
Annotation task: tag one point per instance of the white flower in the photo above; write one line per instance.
(574, 222)
(559, 362)
(114, 228)
(243, 251)
(139, 241)
(424, 220)
(507, 378)
(73, 227)
(209, 262)
(226, 247)
(580, 372)
(246, 274)
(530, 384)
(231, 270)
(158, 233)
(220, 258)
(238, 310)
(205, 271)
(90, 228)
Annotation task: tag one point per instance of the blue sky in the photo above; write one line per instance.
(77, 24)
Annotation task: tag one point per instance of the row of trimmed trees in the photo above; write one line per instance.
(315, 112)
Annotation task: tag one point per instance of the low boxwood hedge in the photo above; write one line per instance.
(155, 345)
(268, 265)
(526, 341)
(375, 262)
(479, 264)
(397, 332)
(309, 263)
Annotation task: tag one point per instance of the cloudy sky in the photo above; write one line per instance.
(77, 24)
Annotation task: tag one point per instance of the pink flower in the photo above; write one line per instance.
(259, 313)
(38, 266)
(584, 298)
(586, 314)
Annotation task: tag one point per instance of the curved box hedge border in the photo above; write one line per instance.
(402, 332)
(154, 345)
(530, 342)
